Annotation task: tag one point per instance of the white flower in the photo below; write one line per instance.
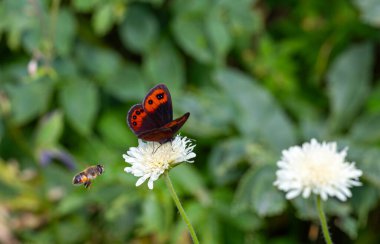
(316, 168)
(149, 160)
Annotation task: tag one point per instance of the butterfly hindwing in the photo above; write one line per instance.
(176, 124)
(139, 121)
(158, 105)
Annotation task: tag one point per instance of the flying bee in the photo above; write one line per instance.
(87, 175)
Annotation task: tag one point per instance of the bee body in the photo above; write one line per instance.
(87, 175)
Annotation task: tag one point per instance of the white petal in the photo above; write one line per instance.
(150, 159)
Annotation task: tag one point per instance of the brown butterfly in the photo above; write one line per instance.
(153, 119)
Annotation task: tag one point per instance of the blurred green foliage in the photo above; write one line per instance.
(256, 76)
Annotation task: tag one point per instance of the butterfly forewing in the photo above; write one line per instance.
(158, 105)
(139, 121)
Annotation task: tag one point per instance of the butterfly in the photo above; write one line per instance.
(153, 119)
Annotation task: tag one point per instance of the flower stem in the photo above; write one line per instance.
(322, 218)
(180, 208)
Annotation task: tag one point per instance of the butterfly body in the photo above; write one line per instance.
(153, 119)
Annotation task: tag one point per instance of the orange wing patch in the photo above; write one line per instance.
(154, 100)
(137, 118)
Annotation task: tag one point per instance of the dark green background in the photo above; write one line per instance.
(256, 76)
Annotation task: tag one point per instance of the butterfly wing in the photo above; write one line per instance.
(176, 124)
(139, 121)
(165, 133)
(160, 135)
(158, 105)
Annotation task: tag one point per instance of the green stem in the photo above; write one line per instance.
(322, 218)
(180, 208)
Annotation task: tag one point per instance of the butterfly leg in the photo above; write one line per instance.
(154, 151)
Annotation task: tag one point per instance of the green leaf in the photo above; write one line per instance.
(224, 159)
(103, 18)
(102, 63)
(140, 29)
(29, 100)
(266, 199)
(349, 226)
(152, 217)
(70, 203)
(257, 114)
(85, 5)
(256, 192)
(369, 164)
(369, 11)
(348, 82)
(127, 84)
(366, 129)
(114, 130)
(79, 99)
(373, 101)
(219, 37)
(190, 33)
(65, 32)
(208, 118)
(364, 200)
(190, 180)
(164, 64)
(49, 130)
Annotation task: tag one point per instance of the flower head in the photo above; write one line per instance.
(316, 168)
(149, 160)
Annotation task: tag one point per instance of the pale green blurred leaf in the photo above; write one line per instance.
(241, 19)
(256, 108)
(16, 24)
(256, 192)
(218, 34)
(189, 30)
(349, 226)
(72, 230)
(208, 118)
(101, 63)
(306, 207)
(49, 129)
(29, 100)
(369, 164)
(266, 199)
(85, 5)
(224, 159)
(164, 64)
(152, 216)
(139, 30)
(65, 30)
(114, 130)
(369, 11)
(363, 201)
(127, 84)
(190, 180)
(366, 129)
(348, 82)
(79, 99)
(103, 18)
(70, 203)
